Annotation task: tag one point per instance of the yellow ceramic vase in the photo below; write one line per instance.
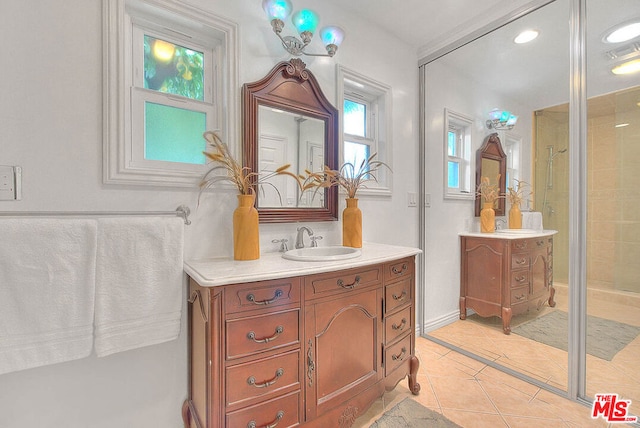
(246, 235)
(487, 218)
(352, 224)
(515, 217)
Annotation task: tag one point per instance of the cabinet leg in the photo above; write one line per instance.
(414, 364)
(186, 414)
(506, 320)
(463, 309)
(552, 293)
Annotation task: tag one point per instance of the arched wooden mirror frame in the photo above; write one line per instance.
(491, 151)
(291, 87)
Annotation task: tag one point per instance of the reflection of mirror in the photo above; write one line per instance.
(285, 137)
(491, 162)
(288, 120)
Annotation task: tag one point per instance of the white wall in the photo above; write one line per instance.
(51, 115)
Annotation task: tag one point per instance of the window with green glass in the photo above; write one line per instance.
(174, 134)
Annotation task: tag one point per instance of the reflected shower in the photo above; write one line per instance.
(549, 177)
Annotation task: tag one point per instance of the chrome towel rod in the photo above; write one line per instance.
(182, 211)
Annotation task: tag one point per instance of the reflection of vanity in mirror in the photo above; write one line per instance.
(288, 120)
(491, 161)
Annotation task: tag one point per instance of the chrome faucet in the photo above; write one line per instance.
(300, 236)
(500, 223)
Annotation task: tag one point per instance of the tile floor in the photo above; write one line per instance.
(475, 395)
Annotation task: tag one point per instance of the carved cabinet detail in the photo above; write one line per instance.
(315, 350)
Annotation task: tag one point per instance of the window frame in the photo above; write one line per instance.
(377, 96)
(123, 147)
(458, 122)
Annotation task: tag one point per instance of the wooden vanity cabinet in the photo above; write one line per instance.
(314, 350)
(505, 277)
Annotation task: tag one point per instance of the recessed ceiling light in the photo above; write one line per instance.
(622, 33)
(628, 67)
(526, 36)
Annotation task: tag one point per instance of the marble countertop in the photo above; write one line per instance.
(510, 234)
(222, 271)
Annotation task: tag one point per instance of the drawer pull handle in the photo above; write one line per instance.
(350, 286)
(521, 278)
(401, 296)
(252, 298)
(399, 271)
(252, 380)
(400, 326)
(521, 261)
(521, 245)
(279, 416)
(252, 335)
(540, 243)
(400, 355)
(520, 297)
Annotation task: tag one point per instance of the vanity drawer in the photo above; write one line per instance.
(245, 336)
(340, 282)
(280, 412)
(520, 245)
(398, 269)
(519, 278)
(519, 294)
(396, 354)
(262, 378)
(397, 324)
(519, 261)
(397, 294)
(261, 295)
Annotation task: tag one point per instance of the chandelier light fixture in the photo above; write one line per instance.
(501, 120)
(306, 21)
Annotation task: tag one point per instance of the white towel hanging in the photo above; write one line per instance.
(47, 278)
(139, 278)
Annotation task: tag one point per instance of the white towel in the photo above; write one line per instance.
(47, 278)
(532, 220)
(138, 282)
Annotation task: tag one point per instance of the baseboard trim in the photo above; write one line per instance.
(441, 321)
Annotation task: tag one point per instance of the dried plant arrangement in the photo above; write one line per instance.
(516, 195)
(489, 193)
(352, 178)
(233, 172)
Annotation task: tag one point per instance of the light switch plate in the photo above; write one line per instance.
(8, 183)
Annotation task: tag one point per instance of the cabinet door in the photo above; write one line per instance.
(341, 349)
(483, 264)
(539, 276)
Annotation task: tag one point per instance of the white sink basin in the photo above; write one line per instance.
(322, 254)
(518, 231)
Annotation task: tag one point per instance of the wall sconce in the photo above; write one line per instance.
(305, 21)
(501, 120)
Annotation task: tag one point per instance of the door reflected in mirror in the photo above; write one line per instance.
(289, 138)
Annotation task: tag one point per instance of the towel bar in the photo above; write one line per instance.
(182, 211)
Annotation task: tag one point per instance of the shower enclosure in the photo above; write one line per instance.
(613, 219)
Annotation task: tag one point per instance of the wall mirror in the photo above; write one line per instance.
(491, 161)
(288, 120)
